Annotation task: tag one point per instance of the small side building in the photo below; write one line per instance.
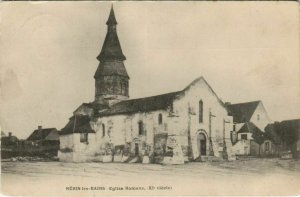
(249, 118)
(77, 138)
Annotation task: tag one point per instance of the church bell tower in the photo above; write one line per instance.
(111, 78)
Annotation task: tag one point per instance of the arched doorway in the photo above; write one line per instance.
(201, 140)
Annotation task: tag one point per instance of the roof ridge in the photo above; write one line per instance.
(256, 101)
(175, 92)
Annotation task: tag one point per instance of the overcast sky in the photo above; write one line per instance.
(245, 50)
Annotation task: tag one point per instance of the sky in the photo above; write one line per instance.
(245, 50)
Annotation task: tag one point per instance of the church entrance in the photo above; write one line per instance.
(201, 144)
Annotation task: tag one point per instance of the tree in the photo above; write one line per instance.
(290, 131)
(258, 137)
(284, 134)
(274, 134)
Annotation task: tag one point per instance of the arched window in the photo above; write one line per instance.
(122, 88)
(141, 128)
(160, 119)
(200, 111)
(103, 130)
(126, 89)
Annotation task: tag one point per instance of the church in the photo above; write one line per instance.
(192, 124)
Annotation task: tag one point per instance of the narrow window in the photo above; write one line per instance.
(126, 89)
(83, 137)
(122, 88)
(160, 119)
(141, 128)
(234, 127)
(258, 117)
(103, 130)
(200, 111)
(171, 107)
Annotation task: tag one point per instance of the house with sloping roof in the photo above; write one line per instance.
(42, 141)
(9, 145)
(192, 124)
(253, 111)
(43, 134)
(9, 141)
(248, 118)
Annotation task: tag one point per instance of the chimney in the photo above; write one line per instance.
(9, 134)
(39, 127)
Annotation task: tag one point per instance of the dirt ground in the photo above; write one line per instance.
(252, 177)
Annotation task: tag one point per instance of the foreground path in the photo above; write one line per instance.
(253, 177)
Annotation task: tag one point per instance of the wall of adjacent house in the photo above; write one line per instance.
(260, 117)
(242, 147)
(186, 117)
(71, 149)
(66, 141)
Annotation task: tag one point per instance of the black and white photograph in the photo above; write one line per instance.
(162, 98)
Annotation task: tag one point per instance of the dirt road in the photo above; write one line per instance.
(253, 177)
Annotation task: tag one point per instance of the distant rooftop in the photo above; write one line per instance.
(242, 112)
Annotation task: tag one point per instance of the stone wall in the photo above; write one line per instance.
(186, 118)
(180, 120)
(71, 149)
(242, 147)
(112, 85)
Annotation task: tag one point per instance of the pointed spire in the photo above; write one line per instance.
(111, 19)
(111, 49)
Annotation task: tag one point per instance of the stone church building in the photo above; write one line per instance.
(192, 124)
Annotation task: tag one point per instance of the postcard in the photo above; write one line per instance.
(162, 98)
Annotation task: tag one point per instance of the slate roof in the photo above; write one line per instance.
(249, 127)
(109, 68)
(42, 134)
(141, 104)
(242, 112)
(111, 49)
(94, 105)
(159, 102)
(111, 19)
(77, 124)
